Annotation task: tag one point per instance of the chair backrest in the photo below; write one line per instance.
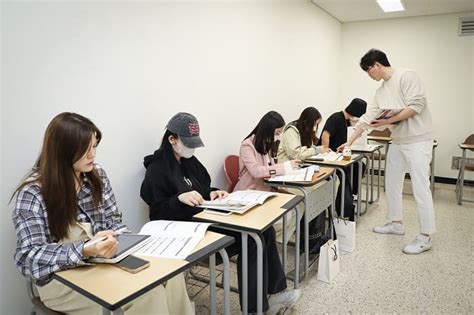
(231, 170)
(384, 133)
(469, 140)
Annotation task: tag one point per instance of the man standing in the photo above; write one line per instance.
(402, 94)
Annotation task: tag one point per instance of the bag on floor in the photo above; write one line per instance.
(345, 231)
(328, 266)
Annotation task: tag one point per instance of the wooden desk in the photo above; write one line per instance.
(313, 204)
(340, 166)
(252, 223)
(112, 287)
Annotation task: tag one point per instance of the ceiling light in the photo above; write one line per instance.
(390, 5)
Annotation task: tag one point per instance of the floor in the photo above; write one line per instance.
(378, 278)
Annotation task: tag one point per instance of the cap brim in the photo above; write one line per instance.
(192, 142)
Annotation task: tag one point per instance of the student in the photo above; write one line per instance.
(334, 134)
(176, 182)
(411, 147)
(298, 141)
(66, 201)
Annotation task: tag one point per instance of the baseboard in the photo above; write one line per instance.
(438, 179)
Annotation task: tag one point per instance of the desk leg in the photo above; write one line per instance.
(226, 281)
(306, 236)
(258, 242)
(106, 311)
(432, 165)
(359, 201)
(212, 282)
(461, 184)
(297, 251)
(245, 284)
(285, 241)
(333, 207)
(378, 174)
(343, 187)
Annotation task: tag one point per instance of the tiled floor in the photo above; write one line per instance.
(378, 278)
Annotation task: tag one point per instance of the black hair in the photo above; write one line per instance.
(265, 132)
(373, 56)
(305, 125)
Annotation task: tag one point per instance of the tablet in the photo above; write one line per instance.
(127, 244)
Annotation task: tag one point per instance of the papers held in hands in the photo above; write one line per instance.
(328, 156)
(238, 201)
(300, 175)
(171, 239)
(127, 244)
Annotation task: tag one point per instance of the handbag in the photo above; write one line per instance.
(345, 231)
(328, 265)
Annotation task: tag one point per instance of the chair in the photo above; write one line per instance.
(231, 170)
(468, 144)
(38, 306)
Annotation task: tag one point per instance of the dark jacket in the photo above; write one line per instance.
(166, 179)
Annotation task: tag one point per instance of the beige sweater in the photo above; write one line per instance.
(290, 147)
(403, 89)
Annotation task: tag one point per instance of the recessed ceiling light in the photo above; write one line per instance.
(390, 5)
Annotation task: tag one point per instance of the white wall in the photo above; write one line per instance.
(131, 66)
(445, 61)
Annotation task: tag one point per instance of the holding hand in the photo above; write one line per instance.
(106, 248)
(342, 146)
(379, 122)
(218, 194)
(191, 198)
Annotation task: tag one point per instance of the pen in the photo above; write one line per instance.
(103, 238)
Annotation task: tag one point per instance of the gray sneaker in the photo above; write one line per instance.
(390, 228)
(284, 299)
(420, 244)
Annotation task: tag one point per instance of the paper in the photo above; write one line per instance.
(328, 156)
(364, 148)
(239, 201)
(171, 239)
(300, 175)
(361, 141)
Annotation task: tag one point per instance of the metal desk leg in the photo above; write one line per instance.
(343, 188)
(258, 241)
(461, 184)
(245, 284)
(297, 251)
(360, 165)
(106, 311)
(284, 254)
(212, 282)
(432, 164)
(225, 280)
(378, 175)
(306, 235)
(333, 206)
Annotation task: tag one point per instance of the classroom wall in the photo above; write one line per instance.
(445, 62)
(130, 66)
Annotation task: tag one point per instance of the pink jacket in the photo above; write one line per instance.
(253, 167)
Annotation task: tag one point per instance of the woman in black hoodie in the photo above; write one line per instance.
(176, 182)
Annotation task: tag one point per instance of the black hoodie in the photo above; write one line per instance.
(166, 179)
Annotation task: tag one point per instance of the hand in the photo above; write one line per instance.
(191, 198)
(323, 149)
(295, 164)
(218, 194)
(106, 248)
(379, 122)
(342, 146)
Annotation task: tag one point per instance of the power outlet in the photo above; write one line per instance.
(456, 162)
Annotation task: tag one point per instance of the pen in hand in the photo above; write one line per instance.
(103, 238)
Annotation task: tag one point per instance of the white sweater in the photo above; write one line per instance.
(403, 89)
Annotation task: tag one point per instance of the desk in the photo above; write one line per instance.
(385, 141)
(462, 167)
(370, 152)
(314, 205)
(95, 282)
(252, 223)
(340, 166)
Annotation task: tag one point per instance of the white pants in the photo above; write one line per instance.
(414, 158)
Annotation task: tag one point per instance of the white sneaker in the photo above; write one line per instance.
(284, 299)
(390, 228)
(420, 244)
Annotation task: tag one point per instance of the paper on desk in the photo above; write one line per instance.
(171, 239)
(328, 156)
(300, 175)
(367, 147)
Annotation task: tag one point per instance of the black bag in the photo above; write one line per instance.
(318, 234)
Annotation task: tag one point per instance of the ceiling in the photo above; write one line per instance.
(363, 10)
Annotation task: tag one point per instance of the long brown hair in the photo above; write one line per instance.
(66, 140)
(305, 125)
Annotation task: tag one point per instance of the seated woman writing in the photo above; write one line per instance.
(65, 201)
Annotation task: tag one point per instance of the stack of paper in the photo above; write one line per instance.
(300, 175)
(328, 156)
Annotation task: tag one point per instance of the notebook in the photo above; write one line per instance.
(127, 244)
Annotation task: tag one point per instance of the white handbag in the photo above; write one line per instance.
(328, 266)
(345, 231)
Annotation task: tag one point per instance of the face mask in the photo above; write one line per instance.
(183, 151)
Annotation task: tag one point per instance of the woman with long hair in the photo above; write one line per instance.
(65, 201)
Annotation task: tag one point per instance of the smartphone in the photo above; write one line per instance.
(303, 165)
(133, 264)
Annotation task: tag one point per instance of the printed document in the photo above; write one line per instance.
(300, 175)
(328, 156)
(171, 239)
(239, 201)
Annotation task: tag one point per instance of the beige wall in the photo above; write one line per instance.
(131, 66)
(431, 46)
